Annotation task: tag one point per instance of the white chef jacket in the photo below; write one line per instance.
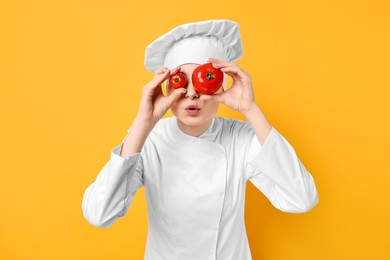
(195, 187)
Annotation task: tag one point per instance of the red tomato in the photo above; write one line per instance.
(177, 80)
(207, 79)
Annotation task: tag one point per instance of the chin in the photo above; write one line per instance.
(192, 120)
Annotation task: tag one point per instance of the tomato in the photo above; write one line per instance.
(207, 79)
(177, 80)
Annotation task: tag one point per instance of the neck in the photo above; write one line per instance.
(197, 130)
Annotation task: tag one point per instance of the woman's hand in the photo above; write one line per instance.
(239, 96)
(154, 104)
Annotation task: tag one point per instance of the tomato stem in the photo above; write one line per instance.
(209, 75)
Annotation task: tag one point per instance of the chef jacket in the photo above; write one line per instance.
(195, 187)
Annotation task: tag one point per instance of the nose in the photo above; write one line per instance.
(191, 93)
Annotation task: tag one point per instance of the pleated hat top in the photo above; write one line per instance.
(195, 43)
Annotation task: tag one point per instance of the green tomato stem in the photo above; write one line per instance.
(209, 75)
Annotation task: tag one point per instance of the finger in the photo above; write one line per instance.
(221, 63)
(163, 70)
(215, 97)
(160, 71)
(217, 60)
(175, 70)
(158, 79)
(175, 95)
(157, 92)
(234, 72)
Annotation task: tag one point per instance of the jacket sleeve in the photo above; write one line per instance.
(110, 195)
(277, 172)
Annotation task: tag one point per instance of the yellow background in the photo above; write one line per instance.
(71, 77)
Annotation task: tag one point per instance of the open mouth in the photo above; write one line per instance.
(192, 108)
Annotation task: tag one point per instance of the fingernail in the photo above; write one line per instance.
(184, 90)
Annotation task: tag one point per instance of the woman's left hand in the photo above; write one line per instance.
(239, 96)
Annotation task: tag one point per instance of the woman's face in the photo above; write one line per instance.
(208, 109)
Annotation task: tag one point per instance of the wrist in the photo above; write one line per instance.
(142, 125)
(253, 109)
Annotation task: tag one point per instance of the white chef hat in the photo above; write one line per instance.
(195, 43)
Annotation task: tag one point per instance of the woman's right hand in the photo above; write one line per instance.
(154, 104)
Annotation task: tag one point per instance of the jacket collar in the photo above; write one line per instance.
(209, 135)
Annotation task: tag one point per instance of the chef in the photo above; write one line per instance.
(194, 165)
